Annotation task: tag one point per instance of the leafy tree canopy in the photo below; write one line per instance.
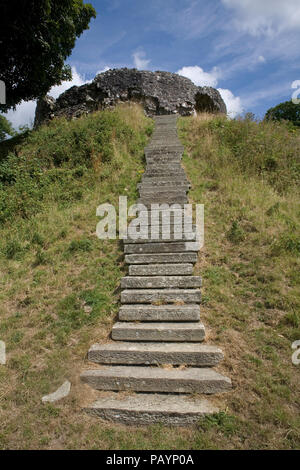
(5, 128)
(36, 37)
(287, 111)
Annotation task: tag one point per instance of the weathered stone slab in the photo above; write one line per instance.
(144, 409)
(167, 199)
(164, 182)
(187, 332)
(151, 296)
(159, 221)
(161, 270)
(163, 160)
(156, 379)
(163, 148)
(164, 169)
(153, 191)
(154, 157)
(191, 354)
(60, 393)
(168, 247)
(157, 236)
(163, 313)
(159, 282)
(161, 258)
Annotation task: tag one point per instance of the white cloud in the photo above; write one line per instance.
(103, 70)
(233, 103)
(24, 113)
(261, 59)
(199, 77)
(77, 80)
(265, 17)
(139, 59)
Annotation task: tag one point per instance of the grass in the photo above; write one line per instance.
(247, 175)
(60, 283)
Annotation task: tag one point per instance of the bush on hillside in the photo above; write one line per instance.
(56, 161)
(287, 111)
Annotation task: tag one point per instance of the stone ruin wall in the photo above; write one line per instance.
(159, 93)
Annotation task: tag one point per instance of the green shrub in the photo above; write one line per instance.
(58, 161)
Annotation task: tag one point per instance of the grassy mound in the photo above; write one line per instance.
(59, 282)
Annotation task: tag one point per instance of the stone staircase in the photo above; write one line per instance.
(156, 354)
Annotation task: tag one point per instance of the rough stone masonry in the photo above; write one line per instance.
(159, 93)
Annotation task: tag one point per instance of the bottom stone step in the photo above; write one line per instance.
(144, 409)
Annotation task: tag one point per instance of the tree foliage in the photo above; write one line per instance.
(287, 111)
(5, 128)
(36, 37)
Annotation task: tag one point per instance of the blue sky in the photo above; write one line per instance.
(248, 49)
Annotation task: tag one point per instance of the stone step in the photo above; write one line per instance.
(165, 211)
(155, 236)
(160, 282)
(167, 182)
(183, 332)
(183, 269)
(154, 296)
(126, 353)
(153, 154)
(164, 313)
(148, 190)
(165, 167)
(144, 409)
(160, 159)
(161, 258)
(163, 147)
(161, 219)
(163, 225)
(162, 167)
(156, 379)
(152, 191)
(167, 199)
(168, 137)
(153, 172)
(164, 183)
(174, 146)
(168, 247)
